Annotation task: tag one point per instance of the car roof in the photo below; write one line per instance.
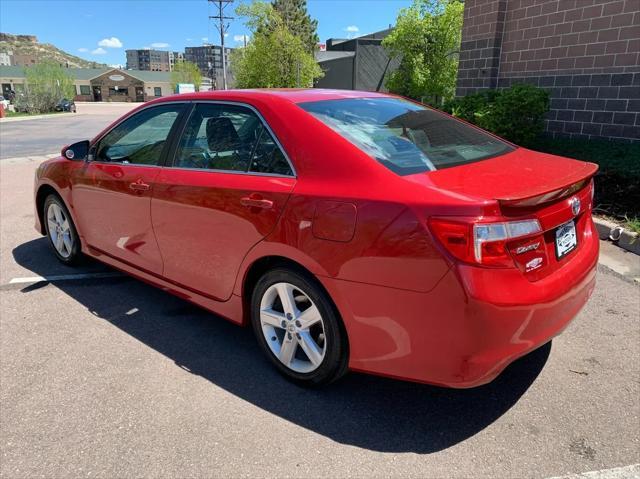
(294, 95)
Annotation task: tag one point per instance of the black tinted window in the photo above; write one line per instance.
(141, 138)
(268, 158)
(229, 137)
(406, 137)
(219, 137)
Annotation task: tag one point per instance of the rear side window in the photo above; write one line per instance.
(229, 138)
(406, 137)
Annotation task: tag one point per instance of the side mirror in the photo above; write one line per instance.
(76, 151)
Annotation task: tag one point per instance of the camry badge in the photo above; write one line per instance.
(575, 205)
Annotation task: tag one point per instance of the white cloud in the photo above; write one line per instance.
(83, 49)
(205, 39)
(112, 42)
(189, 39)
(240, 38)
(352, 29)
(99, 51)
(159, 45)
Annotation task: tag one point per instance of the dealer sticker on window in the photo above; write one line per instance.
(566, 239)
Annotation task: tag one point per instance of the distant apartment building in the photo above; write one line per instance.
(175, 57)
(209, 61)
(148, 60)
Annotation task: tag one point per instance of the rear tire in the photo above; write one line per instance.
(62, 233)
(297, 327)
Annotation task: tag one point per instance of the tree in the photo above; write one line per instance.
(45, 85)
(297, 20)
(275, 57)
(186, 72)
(427, 40)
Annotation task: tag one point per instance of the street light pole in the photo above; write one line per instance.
(222, 28)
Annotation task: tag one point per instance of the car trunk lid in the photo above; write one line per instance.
(519, 177)
(555, 191)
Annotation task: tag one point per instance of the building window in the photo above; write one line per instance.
(157, 91)
(85, 90)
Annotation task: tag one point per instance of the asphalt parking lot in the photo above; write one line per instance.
(109, 377)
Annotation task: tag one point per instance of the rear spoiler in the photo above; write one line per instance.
(576, 182)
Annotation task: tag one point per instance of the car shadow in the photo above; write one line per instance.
(360, 410)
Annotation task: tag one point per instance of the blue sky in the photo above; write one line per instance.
(103, 30)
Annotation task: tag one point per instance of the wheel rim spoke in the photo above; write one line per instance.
(54, 237)
(52, 225)
(285, 292)
(272, 318)
(58, 214)
(288, 350)
(67, 242)
(309, 317)
(310, 348)
(60, 244)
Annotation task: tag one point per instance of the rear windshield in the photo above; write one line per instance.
(406, 137)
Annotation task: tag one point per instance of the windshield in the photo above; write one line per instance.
(406, 137)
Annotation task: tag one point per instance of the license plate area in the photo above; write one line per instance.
(566, 239)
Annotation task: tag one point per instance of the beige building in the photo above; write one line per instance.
(101, 84)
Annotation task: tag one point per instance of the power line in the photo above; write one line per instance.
(222, 28)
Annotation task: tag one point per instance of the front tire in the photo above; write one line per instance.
(298, 328)
(62, 233)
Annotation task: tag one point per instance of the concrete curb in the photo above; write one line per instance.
(608, 230)
(27, 159)
(28, 117)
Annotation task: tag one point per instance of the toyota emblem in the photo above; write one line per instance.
(575, 205)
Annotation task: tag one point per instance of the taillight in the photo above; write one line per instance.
(483, 243)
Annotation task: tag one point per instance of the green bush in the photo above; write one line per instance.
(515, 113)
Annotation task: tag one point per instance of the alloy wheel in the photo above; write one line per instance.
(59, 230)
(293, 327)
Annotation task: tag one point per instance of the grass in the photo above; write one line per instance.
(14, 114)
(618, 180)
(633, 224)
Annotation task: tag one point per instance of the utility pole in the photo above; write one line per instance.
(222, 28)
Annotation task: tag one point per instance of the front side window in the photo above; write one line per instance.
(229, 138)
(85, 90)
(406, 137)
(157, 91)
(141, 138)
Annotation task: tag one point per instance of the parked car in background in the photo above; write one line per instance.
(5, 102)
(66, 105)
(352, 230)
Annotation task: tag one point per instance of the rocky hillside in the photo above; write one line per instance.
(23, 48)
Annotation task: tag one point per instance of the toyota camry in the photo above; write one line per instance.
(352, 230)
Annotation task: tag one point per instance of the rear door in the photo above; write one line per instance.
(112, 193)
(224, 192)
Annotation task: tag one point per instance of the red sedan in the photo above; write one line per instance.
(353, 230)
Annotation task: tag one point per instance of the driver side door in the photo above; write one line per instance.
(112, 192)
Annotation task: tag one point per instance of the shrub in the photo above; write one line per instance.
(515, 113)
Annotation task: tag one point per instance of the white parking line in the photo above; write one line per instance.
(625, 472)
(64, 277)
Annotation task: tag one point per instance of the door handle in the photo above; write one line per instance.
(256, 201)
(139, 186)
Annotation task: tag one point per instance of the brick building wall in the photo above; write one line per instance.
(586, 53)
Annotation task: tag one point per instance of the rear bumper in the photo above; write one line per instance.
(471, 326)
